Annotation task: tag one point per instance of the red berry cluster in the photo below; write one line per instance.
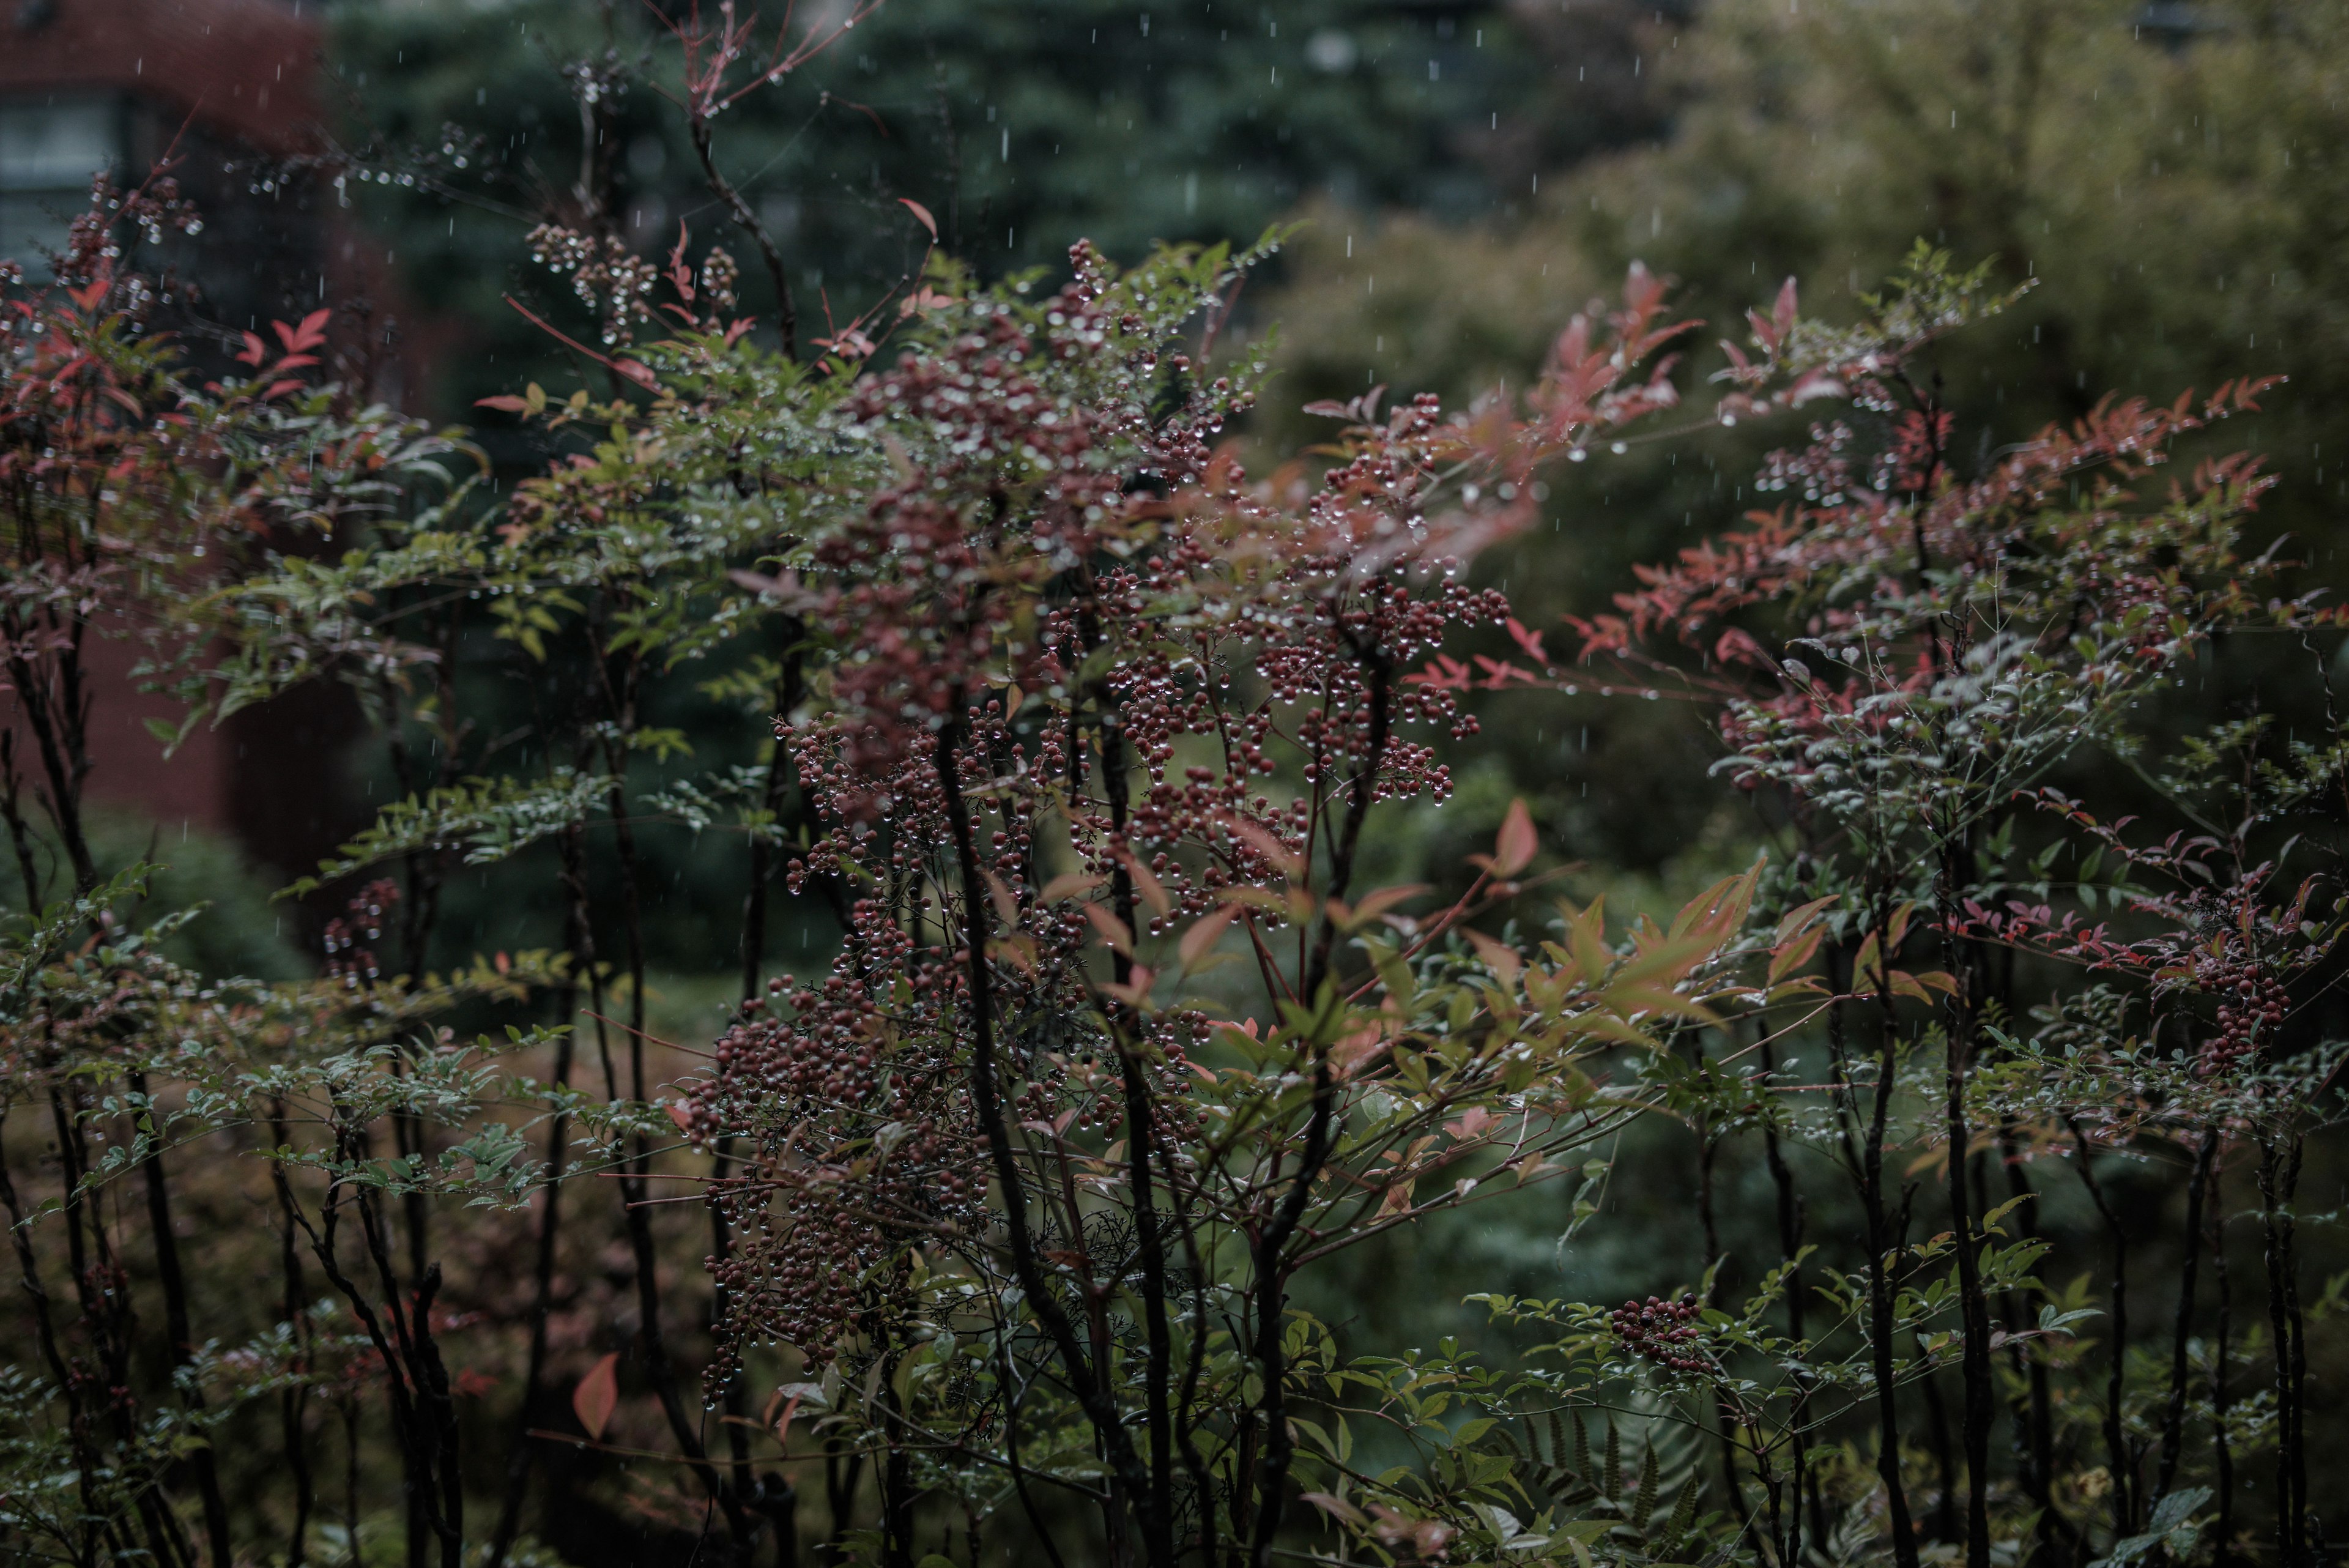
(2250, 1008)
(864, 1143)
(1666, 1333)
(360, 921)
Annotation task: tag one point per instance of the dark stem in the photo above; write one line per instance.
(1142, 1141)
(2222, 1451)
(2278, 1175)
(1959, 1017)
(581, 945)
(59, 720)
(1011, 1397)
(1937, 1421)
(296, 1307)
(635, 1168)
(2116, 1383)
(1707, 1151)
(787, 320)
(1790, 1248)
(1881, 1242)
(2173, 1416)
(20, 836)
(390, 1347)
(28, 1273)
(2035, 1414)
(987, 1106)
(177, 1326)
(1270, 1266)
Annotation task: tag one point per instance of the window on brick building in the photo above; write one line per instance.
(49, 150)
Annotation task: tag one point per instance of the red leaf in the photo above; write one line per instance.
(597, 1391)
(923, 214)
(680, 274)
(309, 335)
(510, 405)
(255, 350)
(1204, 933)
(1514, 847)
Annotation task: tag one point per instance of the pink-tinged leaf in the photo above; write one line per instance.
(1528, 639)
(1812, 388)
(1380, 901)
(1788, 957)
(680, 272)
(1514, 846)
(1067, 885)
(1261, 839)
(1136, 994)
(782, 1423)
(1472, 1123)
(680, 1115)
(1350, 1055)
(1499, 957)
(1337, 1508)
(508, 404)
(921, 215)
(255, 350)
(1113, 930)
(1736, 646)
(1000, 894)
(1867, 967)
(1204, 933)
(1782, 314)
(1153, 892)
(596, 1394)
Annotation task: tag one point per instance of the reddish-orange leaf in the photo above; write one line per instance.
(597, 1391)
(1513, 850)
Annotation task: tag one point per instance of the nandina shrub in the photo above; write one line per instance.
(1100, 707)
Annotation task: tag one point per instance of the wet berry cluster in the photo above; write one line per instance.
(360, 921)
(2251, 1006)
(863, 1144)
(610, 279)
(1666, 1333)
